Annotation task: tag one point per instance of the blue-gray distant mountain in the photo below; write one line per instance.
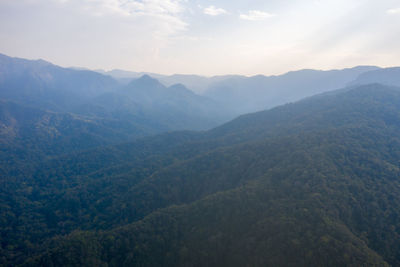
(125, 76)
(158, 107)
(41, 84)
(387, 76)
(249, 94)
(142, 106)
(197, 83)
(240, 94)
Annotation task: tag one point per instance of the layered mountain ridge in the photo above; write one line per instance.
(104, 178)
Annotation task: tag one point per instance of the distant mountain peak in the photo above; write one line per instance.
(37, 62)
(145, 81)
(387, 76)
(179, 86)
(43, 62)
(146, 77)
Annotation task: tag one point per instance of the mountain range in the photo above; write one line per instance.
(314, 182)
(145, 104)
(241, 94)
(141, 173)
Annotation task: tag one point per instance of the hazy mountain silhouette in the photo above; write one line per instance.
(144, 104)
(158, 107)
(41, 84)
(387, 76)
(197, 83)
(249, 94)
(241, 94)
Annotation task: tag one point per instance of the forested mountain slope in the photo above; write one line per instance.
(50, 110)
(310, 183)
(29, 135)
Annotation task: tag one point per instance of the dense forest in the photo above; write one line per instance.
(312, 183)
(183, 133)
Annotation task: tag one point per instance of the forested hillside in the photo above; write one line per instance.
(176, 133)
(310, 183)
(47, 110)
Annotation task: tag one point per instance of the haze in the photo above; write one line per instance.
(203, 37)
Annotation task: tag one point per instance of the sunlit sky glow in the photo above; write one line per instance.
(203, 37)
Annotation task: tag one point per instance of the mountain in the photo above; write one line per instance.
(30, 135)
(142, 107)
(41, 84)
(158, 107)
(121, 74)
(196, 83)
(125, 76)
(314, 182)
(250, 94)
(388, 76)
(240, 94)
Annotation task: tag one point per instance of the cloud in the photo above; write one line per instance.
(393, 11)
(161, 17)
(256, 15)
(135, 7)
(214, 11)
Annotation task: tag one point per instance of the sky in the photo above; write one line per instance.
(209, 37)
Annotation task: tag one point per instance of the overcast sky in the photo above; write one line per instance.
(203, 37)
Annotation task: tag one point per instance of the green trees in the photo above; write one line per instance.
(315, 183)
